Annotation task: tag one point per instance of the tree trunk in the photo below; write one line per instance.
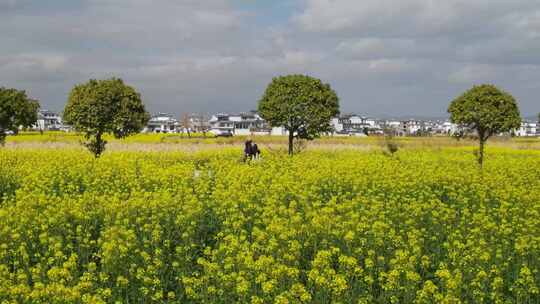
(98, 144)
(291, 139)
(2, 137)
(481, 153)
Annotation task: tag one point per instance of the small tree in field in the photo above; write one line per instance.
(16, 110)
(301, 104)
(486, 110)
(105, 106)
(186, 125)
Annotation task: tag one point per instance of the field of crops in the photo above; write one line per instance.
(422, 226)
(171, 139)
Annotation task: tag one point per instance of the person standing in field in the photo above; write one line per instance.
(256, 152)
(248, 150)
(251, 151)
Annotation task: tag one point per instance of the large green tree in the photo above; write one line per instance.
(16, 110)
(487, 111)
(301, 104)
(105, 106)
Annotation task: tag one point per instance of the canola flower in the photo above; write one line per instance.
(344, 227)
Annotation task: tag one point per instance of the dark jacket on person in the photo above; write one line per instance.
(248, 149)
(255, 150)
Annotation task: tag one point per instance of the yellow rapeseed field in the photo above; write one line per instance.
(421, 226)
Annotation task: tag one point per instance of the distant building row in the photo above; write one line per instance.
(348, 125)
(355, 125)
(250, 123)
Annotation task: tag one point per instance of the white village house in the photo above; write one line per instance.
(391, 124)
(238, 124)
(410, 127)
(48, 121)
(197, 123)
(449, 128)
(352, 124)
(528, 129)
(162, 123)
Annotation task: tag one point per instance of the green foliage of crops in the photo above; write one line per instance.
(422, 226)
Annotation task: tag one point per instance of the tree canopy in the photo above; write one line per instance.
(105, 106)
(16, 110)
(301, 104)
(486, 110)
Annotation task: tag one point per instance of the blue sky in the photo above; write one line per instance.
(383, 57)
(269, 13)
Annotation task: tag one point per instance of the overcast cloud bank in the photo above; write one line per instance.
(383, 57)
